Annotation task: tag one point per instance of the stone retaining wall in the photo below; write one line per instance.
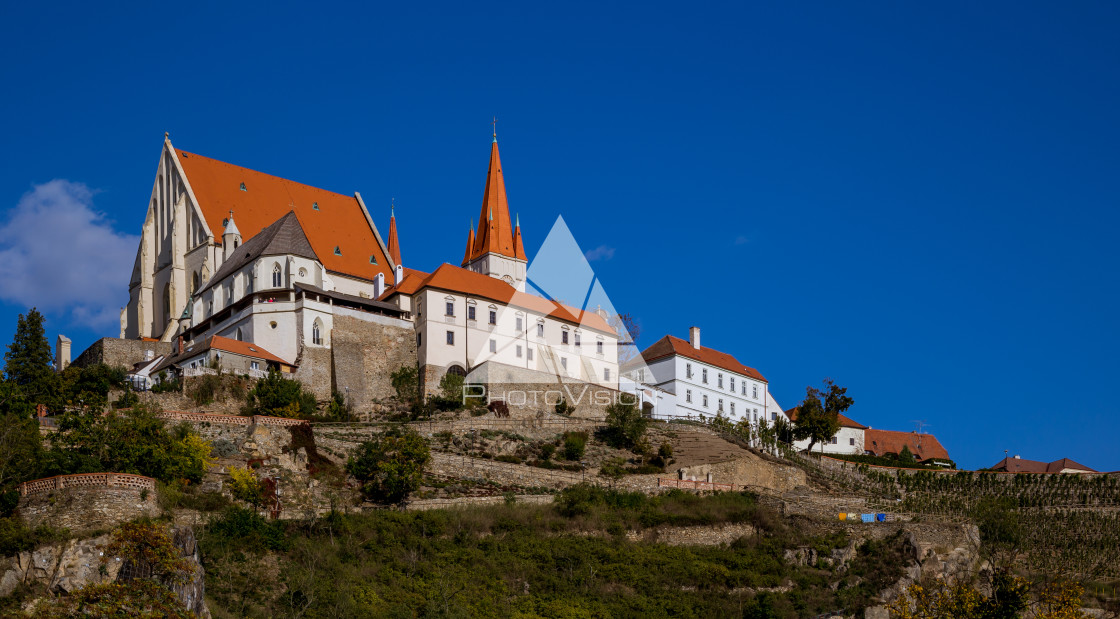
(117, 352)
(365, 350)
(87, 502)
(472, 501)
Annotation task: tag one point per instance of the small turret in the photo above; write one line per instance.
(231, 238)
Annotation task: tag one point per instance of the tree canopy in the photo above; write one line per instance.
(28, 361)
(818, 416)
(390, 465)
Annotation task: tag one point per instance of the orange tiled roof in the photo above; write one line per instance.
(845, 421)
(244, 349)
(338, 221)
(670, 345)
(455, 279)
(495, 231)
(882, 442)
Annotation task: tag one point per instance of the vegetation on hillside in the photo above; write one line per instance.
(390, 465)
(573, 559)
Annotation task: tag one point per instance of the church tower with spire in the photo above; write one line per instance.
(496, 249)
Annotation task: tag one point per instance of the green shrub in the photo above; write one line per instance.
(547, 449)
(625, 425)
(563, 408)
(451, 387)
(390, 465)
(574, 445)
(276, 396)
(406, 383)
(244, 528)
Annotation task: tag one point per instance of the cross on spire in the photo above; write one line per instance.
(494, 126)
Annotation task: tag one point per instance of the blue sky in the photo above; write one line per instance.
(919, 202)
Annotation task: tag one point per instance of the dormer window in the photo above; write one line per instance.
(372, 259)
(243, 187)
(337, 250)
(315, 206)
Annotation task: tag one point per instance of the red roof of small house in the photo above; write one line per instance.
(455, 279)
(1021, 465)
(923, 446)
(670, 345)
(845, 422)
(329, 219)
(245, 349)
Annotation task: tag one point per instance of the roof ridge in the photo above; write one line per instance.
(255, 171)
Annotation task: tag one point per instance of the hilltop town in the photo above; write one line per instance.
(290, 420)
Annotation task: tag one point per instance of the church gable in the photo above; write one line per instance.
(336, 225)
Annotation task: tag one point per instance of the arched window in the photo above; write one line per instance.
(194, 283)
(277, 278)
(457, 370)
(240, 337)
(167, 303)
(317, 333)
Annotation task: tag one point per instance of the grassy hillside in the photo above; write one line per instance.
(581, 557)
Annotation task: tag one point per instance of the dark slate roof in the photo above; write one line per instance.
(285, 236)
(382, 306)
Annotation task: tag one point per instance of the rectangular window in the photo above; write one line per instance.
(732, 408)
(599, 347)
(754, 391)
(451, 338)
(470, 312)
(704, 375)
(529, 353)
(832, 440)
(732, 379)
(773, 416)
(688, 395)
(564, 362)
(688, 370)
(705, 401)
(719, 380)
(606, 373)
(851, 441)
(450, 308)
(744, 388)
(540, 329)
(253, 365)
(493, 346)
(519, 351)
(520, 325)
(564, 336)
(721, 405)
(577, 340)
(493, 317)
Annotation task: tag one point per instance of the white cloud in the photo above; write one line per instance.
(59, 254)
(601, 252)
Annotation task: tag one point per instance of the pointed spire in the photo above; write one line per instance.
(231, 228)
(518, 247)
(470, 244)
(495, 234)
(394, 244)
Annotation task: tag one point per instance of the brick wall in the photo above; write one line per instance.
(117, 352)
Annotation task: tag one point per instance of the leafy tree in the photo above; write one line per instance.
(142, 598)
(625, 424)
(149, 547)
(20, 444)
(276, 396)
(406, 383)
(131, 441)
(943, 600)
(28, 361)
(89, 386)
(451, 387)
(245, 486)
(574, 445)
(818, 415)
(390, 465)
(904, 456)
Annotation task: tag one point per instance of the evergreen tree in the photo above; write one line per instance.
(28, 362)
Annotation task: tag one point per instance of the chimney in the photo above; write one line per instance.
(62, 353)
(180, 344)
(398, 275)
(694, 337)
(378, 285)
(1016, 456)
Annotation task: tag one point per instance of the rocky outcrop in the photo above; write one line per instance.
(64, 567)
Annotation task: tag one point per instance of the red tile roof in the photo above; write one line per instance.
(882, 442)
(1020, 465)
(455, 279)
(845, 421)
(670, 345)
(244, 349)
(495, 231)
(339, 221)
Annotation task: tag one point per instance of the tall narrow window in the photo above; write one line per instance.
(705, 401)
(732, 404)
(732, 379)
(520, 324)
(451, 338)
(529, 353)
(564, 336)
(239, 336)
(606, 373)
(720, 405)
(564, 362)
(688, 370)
(519, 351)
(493, 346)
(316, 333)
(688, 395)
(719, 378)
(599, 347)
(493, 317)
(276, 276)
(754, 391)
(540, 329)
(470, 312)
(450, 308)
(577, 340)
(704, 375)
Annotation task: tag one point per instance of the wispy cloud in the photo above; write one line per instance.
(64, 257)
(601, 252)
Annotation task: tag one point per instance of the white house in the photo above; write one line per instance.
(848, 440)
(231, 355)
(685, 379)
